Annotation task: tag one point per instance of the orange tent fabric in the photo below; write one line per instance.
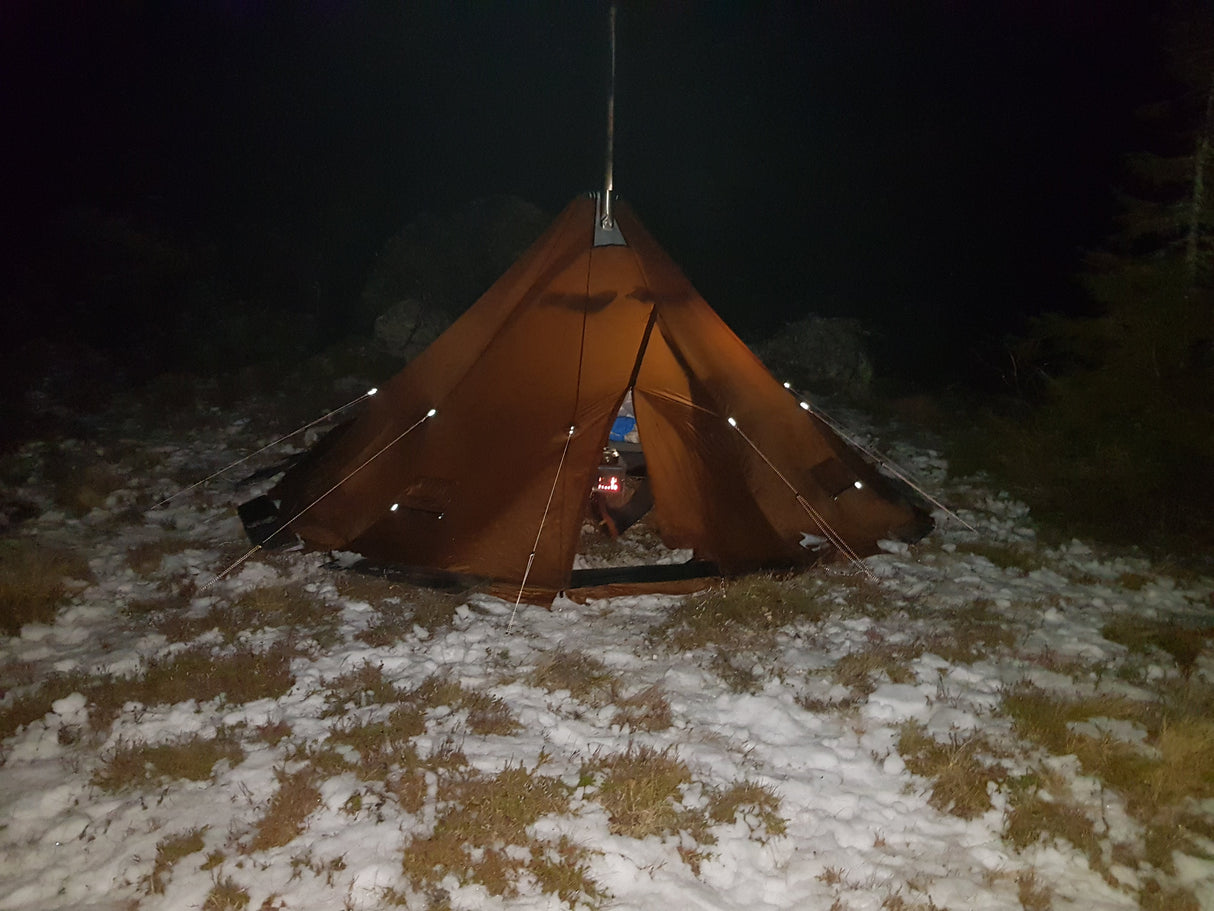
(483, 449)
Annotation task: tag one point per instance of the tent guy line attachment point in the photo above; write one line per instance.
(285, 525)
(324, 417)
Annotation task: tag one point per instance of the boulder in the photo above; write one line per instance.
(820, 354)
(406, 328)
(434, 268)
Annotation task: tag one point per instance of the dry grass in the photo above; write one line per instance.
(1155, 897)
(381, 745)
(738, 669)
(198, 673)
(1183, 644)
(1033, 894)
(854, 594)
(169, 851)
(584, 677)
(290, 607)
(159, 608)
(744, 613)
(488, 714)
(363, 686)
(410, 783)
(974, 632)
(384, 746)
(79, 482)
(1005, 556)
(287, 813)
(641, 789)
(1041, 808)
(33, 580)
(293, 607)
(859, 671)
(961, 782)
(36, 703)
(146, 558)
(1186, 762)
(273, 732)
(1156, 784)
(137, 765)
(321, 869)
(481, 835)
(226, 895)
(399, 607)
(757, 805)
(648, 710)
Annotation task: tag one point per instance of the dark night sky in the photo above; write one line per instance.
(919, 165)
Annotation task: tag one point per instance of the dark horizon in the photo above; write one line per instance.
(937, 173)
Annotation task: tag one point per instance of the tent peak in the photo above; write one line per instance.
(607, 231)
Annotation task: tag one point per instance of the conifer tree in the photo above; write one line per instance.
(1123, 435)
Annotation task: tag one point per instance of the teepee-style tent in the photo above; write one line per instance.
(479, 457)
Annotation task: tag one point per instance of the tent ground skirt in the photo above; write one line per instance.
(584, 585)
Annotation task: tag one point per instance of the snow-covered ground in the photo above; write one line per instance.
(860, 830)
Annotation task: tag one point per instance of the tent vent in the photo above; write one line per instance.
(606, 235)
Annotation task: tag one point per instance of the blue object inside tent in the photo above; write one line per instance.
(621, 428)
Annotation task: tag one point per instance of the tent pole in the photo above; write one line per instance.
(608, 219)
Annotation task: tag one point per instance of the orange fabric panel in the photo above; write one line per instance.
(713, 471)
(559, 354)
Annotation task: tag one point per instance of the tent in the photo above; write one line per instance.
(479, 457)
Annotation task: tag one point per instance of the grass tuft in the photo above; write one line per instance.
(1033, 894)
(381, 745)
(193, 759)
(973, 634)
(648, 710)
(364, 686)
(757, 805)
(226, 895)
(960, 781)
(585, 678)
(168, 852)
(36, 703)
(481, 835)
(742, 613)
(1183, 644)
(290, 607)
(198, 673)
(399, 607)
(1041, 808)
(859, 670)
(285, 816)
(641, 789)
(33, 580)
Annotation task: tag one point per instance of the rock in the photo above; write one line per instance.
(408, 326)
(820, 354)
(436, 267)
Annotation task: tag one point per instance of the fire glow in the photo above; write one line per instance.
(609, 484)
